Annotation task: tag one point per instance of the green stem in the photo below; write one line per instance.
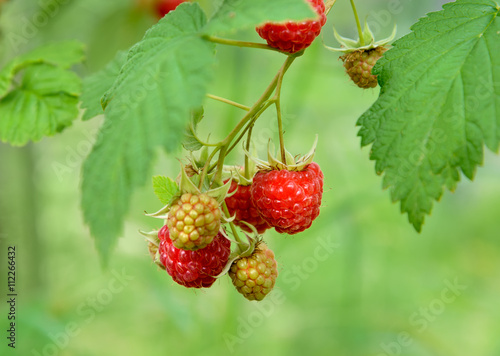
(206, 167)
(227, 101)
(249, 137)
(236, 43)
(250, 114)
(277, 101)
(233, 228)
(360, 31)
(220, 164)
(250, 124)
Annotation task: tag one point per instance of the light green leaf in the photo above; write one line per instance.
(60, 54)
(439, 104)
(241, 14)
(95, 85)
(165, 188)
(164, 78)
(44, 103)
(191, 141)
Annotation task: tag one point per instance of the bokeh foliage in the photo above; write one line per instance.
(360, 297)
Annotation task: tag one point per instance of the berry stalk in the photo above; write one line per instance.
(254, 110)
(231, 224)
(249, 137)
(358, 24)
(227, 101)
(237, 43)
(277, 102)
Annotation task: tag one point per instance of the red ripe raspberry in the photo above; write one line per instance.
(194, 269)
(163, 7)
(293, 36)
(240, 205)
(289, 201)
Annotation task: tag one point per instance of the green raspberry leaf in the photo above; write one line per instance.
(164, 78)
(42, 104)
(60, 54)
(191, 141)
(95, 85)
(241, 14)
(439, 104)
(165, 188)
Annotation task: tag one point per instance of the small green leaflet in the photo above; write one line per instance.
(164, 78)
(60, 54)
(45, 99)
(95, 85)
(165, 188)
(439, 104)
(191, 141)
(241, 14)
(45, 102)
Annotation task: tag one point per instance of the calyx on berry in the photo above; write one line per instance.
(193, 217)
(366, 43)
(291, 163)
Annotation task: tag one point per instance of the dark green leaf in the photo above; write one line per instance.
(164, 78)
(191, 141)
(45, 102)
(97, 84)
(439, 104)
(60, 54)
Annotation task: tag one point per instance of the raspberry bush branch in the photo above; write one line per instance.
(227, 101)
(237, 43)
(229, 196)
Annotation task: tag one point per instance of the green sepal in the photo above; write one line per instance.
(220, 193)
(151, 236)
(349, 45)
(186, 184)
(291, 163)
(243, 250)
(162, 213)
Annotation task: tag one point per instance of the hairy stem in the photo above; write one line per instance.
(236, 43)
(231, 224)
(227, 101)
(249, 137)
(250, 124)
(253, 111)
(358, 24)
(206, 167)
(277, 101)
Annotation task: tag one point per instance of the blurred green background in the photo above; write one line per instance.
(361, 281)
